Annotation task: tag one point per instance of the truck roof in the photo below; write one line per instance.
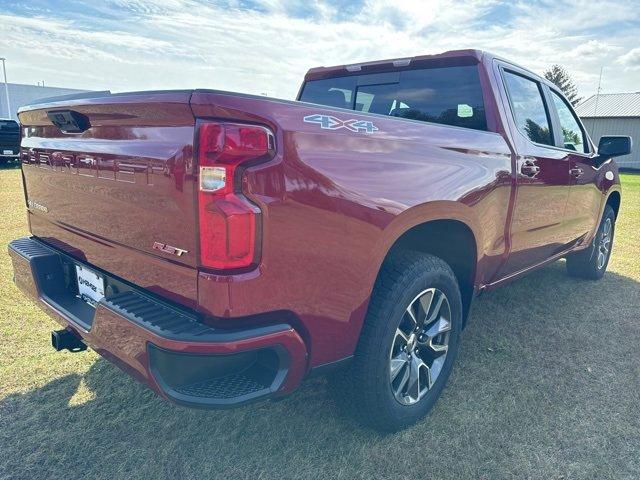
(449, 58)
(446, 58)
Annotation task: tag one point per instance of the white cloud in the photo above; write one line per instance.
(145, 44)
(593, 49)
(630, 59)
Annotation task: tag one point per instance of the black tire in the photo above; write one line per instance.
(588, 263)
(366, 387)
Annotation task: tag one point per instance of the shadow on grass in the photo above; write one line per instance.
(546, 386)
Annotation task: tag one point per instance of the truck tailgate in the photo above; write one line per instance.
(110, 180)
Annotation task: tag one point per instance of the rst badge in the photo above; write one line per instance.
(163, 247)
(329, 122)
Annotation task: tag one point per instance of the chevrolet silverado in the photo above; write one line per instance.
(221, 247)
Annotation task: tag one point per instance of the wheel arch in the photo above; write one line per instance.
(614, 200)
(451, 238)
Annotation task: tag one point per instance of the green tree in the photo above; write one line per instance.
(570, 136)
(537, 133)
(561, 78)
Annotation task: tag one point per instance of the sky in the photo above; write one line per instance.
(266, 46)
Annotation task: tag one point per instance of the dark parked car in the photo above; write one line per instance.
(220, 247)
(9, 140)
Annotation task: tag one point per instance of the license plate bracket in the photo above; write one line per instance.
(90, 285)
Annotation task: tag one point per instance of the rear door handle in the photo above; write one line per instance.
(529, 169)
(576, 171)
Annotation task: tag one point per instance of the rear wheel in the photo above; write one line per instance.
(592, 262)
(408, 343)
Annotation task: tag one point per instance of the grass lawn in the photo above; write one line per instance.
(547, 386)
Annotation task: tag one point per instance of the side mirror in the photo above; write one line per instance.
(613, 146)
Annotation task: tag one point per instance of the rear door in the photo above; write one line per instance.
(538, 230)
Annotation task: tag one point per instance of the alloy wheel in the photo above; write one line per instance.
(604, 247)
(420, 346)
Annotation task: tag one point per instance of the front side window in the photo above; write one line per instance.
(573, 135)
(528, 108)
(447, 95)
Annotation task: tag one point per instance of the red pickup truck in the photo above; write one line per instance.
(221, 247)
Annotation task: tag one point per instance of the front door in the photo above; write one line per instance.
(585, 199)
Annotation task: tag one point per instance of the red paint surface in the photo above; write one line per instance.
(332, 202)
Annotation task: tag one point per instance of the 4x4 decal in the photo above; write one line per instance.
(329, 122)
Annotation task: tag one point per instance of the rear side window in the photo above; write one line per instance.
(449, 96)
(528, 108)
(573, 136)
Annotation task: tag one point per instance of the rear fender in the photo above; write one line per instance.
(418, 215)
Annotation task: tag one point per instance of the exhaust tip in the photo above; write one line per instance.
(66, 340)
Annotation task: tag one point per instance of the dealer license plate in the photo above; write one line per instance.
(90, 285)
(7, 152)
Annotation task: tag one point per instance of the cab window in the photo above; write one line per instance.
(528, 108)
(447, 95)
(573, 135)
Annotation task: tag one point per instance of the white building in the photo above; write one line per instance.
(614, 114)
(20, 94)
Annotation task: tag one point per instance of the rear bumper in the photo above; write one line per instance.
(160, 344)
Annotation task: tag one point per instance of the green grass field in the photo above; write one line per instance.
(547, 386)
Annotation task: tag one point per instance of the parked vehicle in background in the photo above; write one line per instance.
(9, 140)
(221, 247)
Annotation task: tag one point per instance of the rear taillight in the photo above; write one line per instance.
(228, 221)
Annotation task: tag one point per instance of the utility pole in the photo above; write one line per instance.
(6, 86)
